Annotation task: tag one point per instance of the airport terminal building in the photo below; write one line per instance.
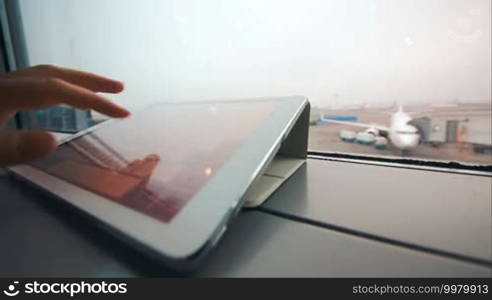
(457, 127)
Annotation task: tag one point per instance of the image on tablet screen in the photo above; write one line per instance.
(156, 161)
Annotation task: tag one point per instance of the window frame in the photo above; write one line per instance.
(405, 163)
(14, 55)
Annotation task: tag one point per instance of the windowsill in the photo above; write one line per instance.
(437, 212)
(337, 218)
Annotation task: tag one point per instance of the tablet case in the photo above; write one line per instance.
(290, 156)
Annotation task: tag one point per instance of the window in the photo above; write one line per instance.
(385, 77)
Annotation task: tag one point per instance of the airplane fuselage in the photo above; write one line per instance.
(402, 134)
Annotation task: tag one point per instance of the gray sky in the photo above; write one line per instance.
(335, 52)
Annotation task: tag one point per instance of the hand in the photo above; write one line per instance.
(41, 87)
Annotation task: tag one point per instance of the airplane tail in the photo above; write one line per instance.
(400, 108)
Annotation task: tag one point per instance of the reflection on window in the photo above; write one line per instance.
(353, 58)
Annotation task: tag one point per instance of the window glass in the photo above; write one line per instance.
(385, 77)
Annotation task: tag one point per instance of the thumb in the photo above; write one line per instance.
(23, 146)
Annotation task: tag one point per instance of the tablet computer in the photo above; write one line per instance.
(169, 178)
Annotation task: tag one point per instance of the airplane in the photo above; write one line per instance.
(401, 133)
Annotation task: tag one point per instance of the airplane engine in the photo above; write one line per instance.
(348, 135)
(365, 138)
(380, 143)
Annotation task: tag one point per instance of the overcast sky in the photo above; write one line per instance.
(334, 52)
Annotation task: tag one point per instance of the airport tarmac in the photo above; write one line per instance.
(325, 137)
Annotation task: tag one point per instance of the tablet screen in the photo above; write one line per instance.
(157, 160)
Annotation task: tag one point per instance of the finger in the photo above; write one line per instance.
(90, 81)
(24, 146)
(37, 93)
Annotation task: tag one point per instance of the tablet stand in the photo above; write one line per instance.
(290, 156)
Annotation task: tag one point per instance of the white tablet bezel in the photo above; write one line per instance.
(203, 217)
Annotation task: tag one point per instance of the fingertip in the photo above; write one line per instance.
(106, 85)
(35, 144)
(126, 114)
(120, 112)
(117, 86)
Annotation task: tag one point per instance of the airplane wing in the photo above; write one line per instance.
(356, 124)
